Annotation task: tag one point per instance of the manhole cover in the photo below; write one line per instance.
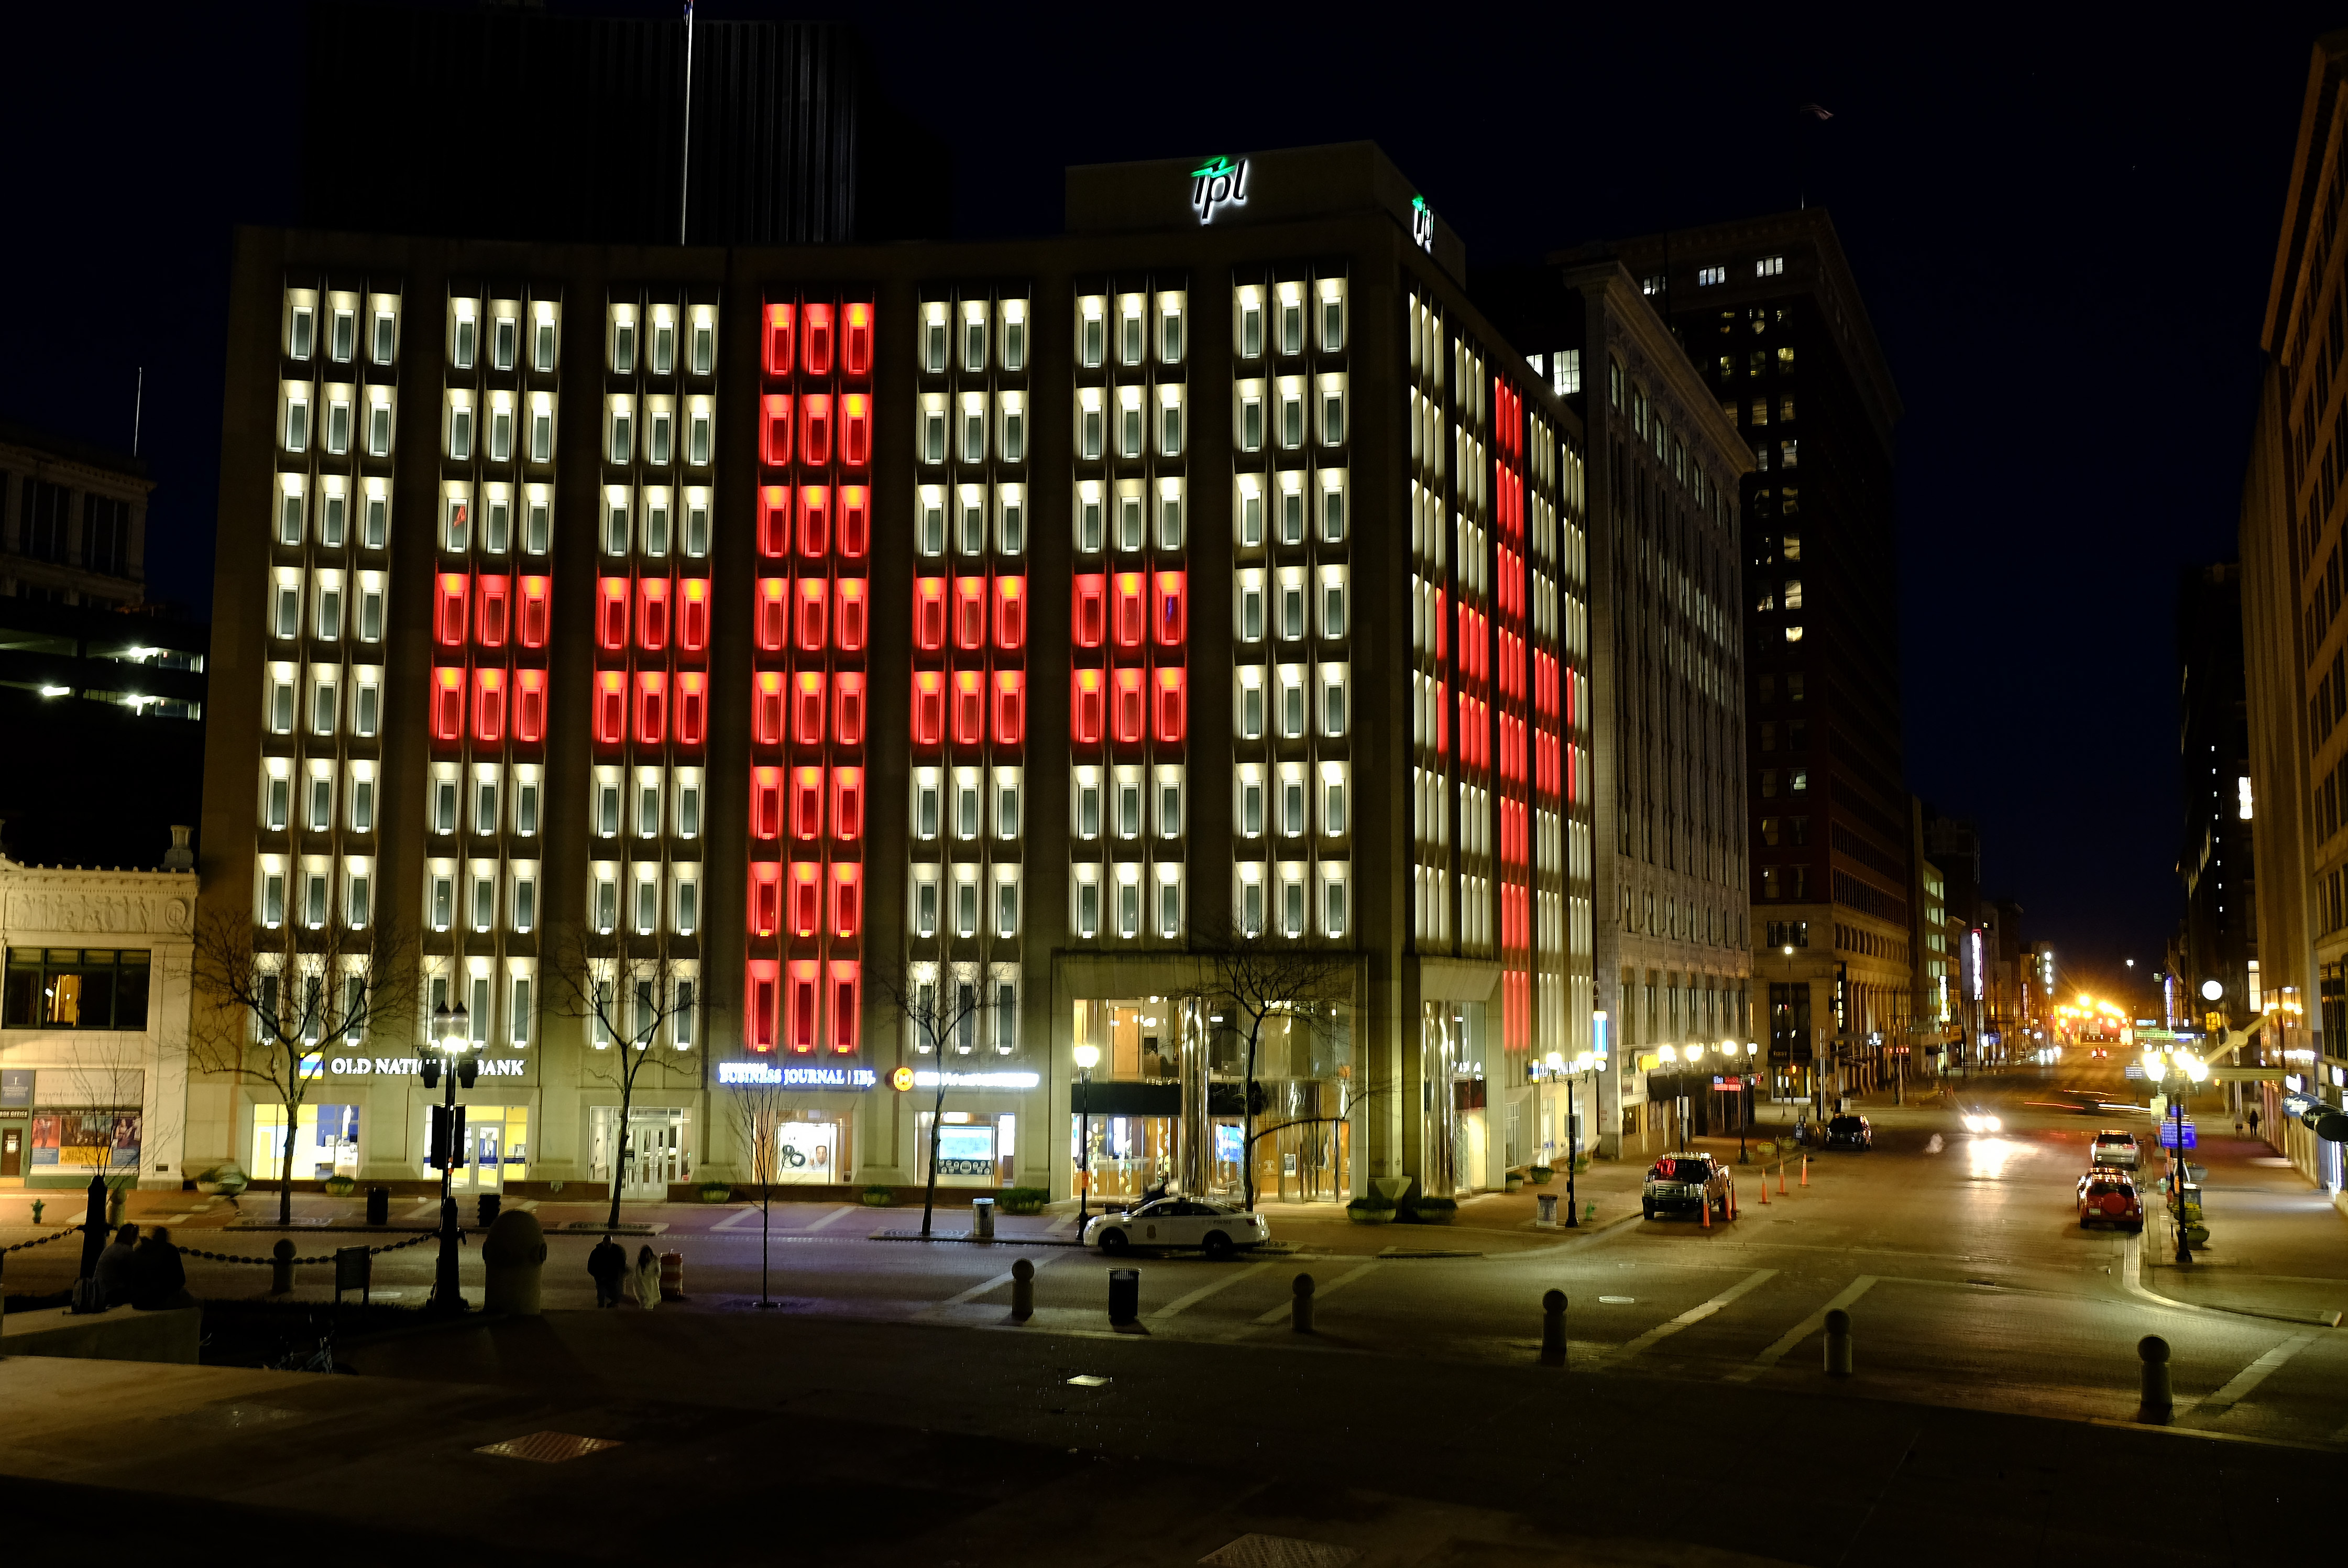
(1281, 1551)
(1618, 1300)
(548, 1448)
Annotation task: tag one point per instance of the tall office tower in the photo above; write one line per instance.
(2293, 643)
(510, 122)
(1768, 312)
(1672, 956)
(749, 639)
(2214, 854)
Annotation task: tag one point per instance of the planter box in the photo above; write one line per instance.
(714, 1194)
(1513, 1183)
(1541, 1176)
(1370, 1216)
(880, 1200)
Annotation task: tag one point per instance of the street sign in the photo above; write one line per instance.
(1724, 1084)
(2168, 1134)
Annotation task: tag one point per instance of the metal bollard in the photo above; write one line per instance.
(2153, 1351)
(1552, 1351)
(1299, 1305)
(1023, 1290)
(281, 1268)
(1837, 1344)
(1546, 1203)
(1124, 1295)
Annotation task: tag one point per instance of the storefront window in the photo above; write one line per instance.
(325, 1141)
(76, 988)
(802, 1149)
(975, 1149)
(83, 1142)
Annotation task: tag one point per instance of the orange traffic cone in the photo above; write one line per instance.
(1704, 1207)
(1764, 1186)
(1781, 1178)
(1806, 1169)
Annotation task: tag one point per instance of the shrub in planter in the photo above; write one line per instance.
(716, 1193)
(880, 1197)
(1540, 1175)
(1512, 1181)
(1023, 1199)
(340, 1186)
(1426, 1211)
(1374, 1210)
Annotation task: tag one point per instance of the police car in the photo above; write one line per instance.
(1219, 1228)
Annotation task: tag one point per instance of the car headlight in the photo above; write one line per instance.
(1973, 1124)
(1994, 1124)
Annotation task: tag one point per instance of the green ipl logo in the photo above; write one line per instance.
(1217, 182)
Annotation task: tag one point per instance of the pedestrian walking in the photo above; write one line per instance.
(648, 1278)
(2237, 1126)
(2255, 1121)
(608, 1263)
(113, 1273)
(158, 1278)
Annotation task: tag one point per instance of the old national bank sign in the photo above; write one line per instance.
(413, 1067)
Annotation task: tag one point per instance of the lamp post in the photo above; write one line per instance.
(1087, 1056)
(1745, 1110)
(448, 1030)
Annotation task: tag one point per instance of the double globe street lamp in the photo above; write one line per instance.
(2176, 1071)
(1586, 1062)
(452, 1065)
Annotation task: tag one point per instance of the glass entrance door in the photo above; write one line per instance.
(487, 1157)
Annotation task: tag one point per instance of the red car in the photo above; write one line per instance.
(2109, 1197)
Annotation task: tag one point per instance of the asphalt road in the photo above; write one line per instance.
(1958, 1255)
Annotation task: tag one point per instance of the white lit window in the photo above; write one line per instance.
(1708, 276)
(1769, 266)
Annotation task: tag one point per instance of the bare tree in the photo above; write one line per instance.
(642, 1002)
(1255, 981)
(758, 1107)
(946, 1005)
(267, 1002)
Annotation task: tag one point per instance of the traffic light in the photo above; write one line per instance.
(448, 1137)
(2214, 1022)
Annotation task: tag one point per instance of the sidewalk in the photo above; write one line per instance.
(2276, 1244)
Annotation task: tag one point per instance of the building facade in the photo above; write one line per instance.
(744, 641)
(1770, 313)
(2215, 863)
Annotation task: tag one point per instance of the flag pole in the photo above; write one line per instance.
(684, 167)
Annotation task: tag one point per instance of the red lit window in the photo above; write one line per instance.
(775, 521)
(847, 708)
(692, 615)
(652, 613)
(813, 593)
(770, 628)
(774, 439)
(815, 339)
(1089, 620)
(847, 803)
(847, 1006)
(612, 614)
(778, 340)
(1170, 709)
(970, 612)
(491, 602)
(692, 707)
(449, 594)
(847, 898)
(1011, 613)
(929, 614)
(848, 616)
(815, 430)
(929, 707)
(855, 430)
(765, 898)
(766, 803)
(1085, 707)
(652, 706)
(807, 803)
(856, 347)
(488, 706)
(530, 705)
(799, 982)
(1010, 708)
(759, 996)
(1132, 617)
(767, 707)
(1129, 716)
(448, 704)
(610, 707)
(1442, 622)
(807, 708)
(1173, 613)
(1441, 715)
(807, 902)
(969, 706)
(537, 597)
(855, 521)
(815, 520)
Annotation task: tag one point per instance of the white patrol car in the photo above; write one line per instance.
(1221, 1229)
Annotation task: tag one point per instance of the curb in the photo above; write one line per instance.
(2132, 1278)
(974, 1241)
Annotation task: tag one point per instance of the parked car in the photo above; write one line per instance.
(2109, 1197)
(1849, 1131)
(1685, 1182)
(2116, 1147)
(1221, 1229)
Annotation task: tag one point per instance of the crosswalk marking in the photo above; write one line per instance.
(1279, 1313)
(2256, 1372)
(1800, 1331)
(1696, 1314)
(839, 1213)
(1204, 1291)
(740, 1219)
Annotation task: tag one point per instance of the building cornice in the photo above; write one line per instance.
(1651, 337)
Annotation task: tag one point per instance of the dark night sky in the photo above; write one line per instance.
(2064, 230)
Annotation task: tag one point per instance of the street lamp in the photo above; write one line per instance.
(1087, 1056)
(450, 1027)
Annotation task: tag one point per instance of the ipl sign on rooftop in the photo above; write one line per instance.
(1218, 182)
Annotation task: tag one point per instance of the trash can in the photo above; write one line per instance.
(1124, 1295)
(378, 1206)
(982, 1218)
(491, 1202)
(1548, 1201)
